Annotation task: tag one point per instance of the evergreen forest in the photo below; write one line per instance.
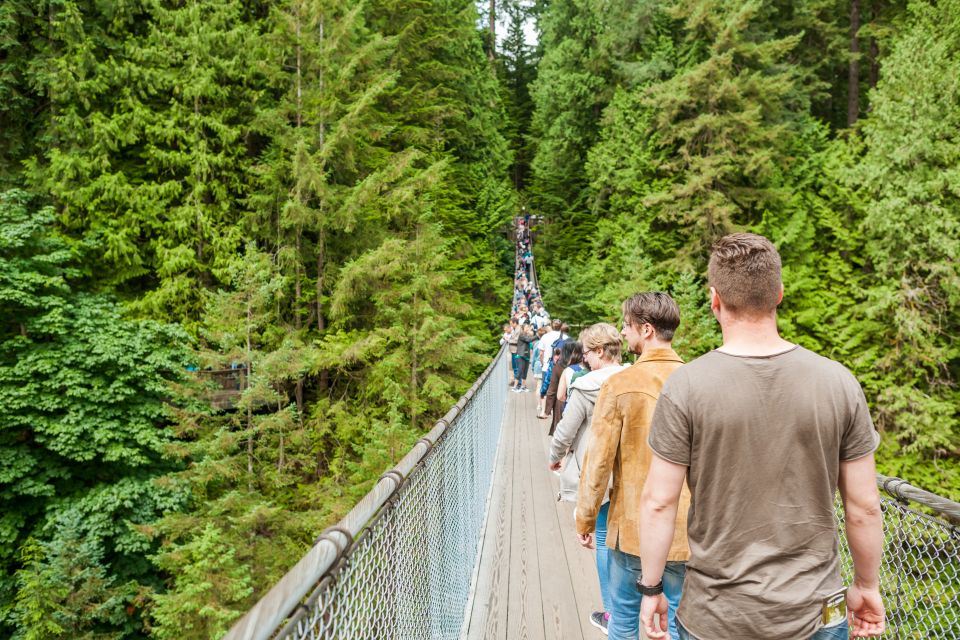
(311, 200)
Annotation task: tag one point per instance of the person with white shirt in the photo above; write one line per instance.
(546, 342)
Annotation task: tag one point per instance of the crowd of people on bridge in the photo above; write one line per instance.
(707, 488)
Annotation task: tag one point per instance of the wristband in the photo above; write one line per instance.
(655, 590)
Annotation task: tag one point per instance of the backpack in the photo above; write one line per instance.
(558, 343)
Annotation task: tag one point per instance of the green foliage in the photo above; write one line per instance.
(208, 580)
(84, 395)
(710, 117)
(569, 93)
(64, 591)
(910, 185)
(147, 150)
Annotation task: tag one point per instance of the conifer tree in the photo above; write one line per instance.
(323, 160)
(517, 70)
(148, 143)
(407, 335)
(570, 93)
(910, 186)
(727, 121)
(445, 105)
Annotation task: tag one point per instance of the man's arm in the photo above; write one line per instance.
(658, 518)
(598, 462)
(864, 524)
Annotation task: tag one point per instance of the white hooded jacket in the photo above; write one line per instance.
(572, 433)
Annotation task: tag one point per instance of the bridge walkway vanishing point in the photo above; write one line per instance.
(533, 581)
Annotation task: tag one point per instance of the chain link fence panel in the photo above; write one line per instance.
(920, 569)
(410, 570)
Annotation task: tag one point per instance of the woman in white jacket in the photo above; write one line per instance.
(601, 352)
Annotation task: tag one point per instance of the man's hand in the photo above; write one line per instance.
(653, 616)
(865, 612)
(555, 466)
(585, 540)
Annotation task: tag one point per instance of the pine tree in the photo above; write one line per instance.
(210, 589)
(147, 142)
(400, 311)
(570, 92)
(910, 186)
(727, 122)
(445, 106)
(517, 70)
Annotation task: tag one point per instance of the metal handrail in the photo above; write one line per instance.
(270, 612)
(902, 490)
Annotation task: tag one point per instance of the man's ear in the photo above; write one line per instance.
(715, 298)
(780, 297)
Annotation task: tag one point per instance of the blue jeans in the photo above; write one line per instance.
(625, 599)
(515, 363)
(838, 632)
(603, 556)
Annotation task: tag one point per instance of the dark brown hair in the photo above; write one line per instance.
(745, 271)
(655, 307)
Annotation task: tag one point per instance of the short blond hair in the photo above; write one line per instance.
(602, 335)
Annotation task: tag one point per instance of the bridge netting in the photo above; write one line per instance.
(401, 565)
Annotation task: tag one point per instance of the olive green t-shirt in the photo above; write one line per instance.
(763, 438)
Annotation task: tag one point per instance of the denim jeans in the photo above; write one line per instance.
(625, 599)
(838, 632)
(515, 364)
(603, 555)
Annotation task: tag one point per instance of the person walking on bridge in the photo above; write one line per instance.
(618, 447)
(601, 352)
(546, 342)
(524, 340)
(765, 432)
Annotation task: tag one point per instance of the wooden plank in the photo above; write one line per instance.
(535, 581)
(525, 614)
(581, 562)
(560, 611)
(488, 618)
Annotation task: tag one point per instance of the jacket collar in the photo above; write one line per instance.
(659, 355)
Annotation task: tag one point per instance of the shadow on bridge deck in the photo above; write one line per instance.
(534, 581)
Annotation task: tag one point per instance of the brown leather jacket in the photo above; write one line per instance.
(618, 445)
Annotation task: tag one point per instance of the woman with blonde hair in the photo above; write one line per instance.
(601, 352)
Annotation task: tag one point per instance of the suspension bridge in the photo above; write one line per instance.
(464, 539)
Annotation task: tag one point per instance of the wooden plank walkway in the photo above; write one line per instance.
(534, 581)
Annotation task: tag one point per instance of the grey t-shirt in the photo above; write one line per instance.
(763, 438)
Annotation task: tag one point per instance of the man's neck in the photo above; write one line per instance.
(752, 337)
(654, 343)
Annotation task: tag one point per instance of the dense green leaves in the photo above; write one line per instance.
(83, 424)
(910, 183)
(711, 117)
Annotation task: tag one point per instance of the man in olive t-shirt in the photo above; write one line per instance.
(765, 432)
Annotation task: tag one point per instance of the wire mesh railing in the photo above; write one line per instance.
(920, 570)
(401, 564)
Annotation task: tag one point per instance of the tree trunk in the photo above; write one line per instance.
(853, 78)
(249, 408)
(281, 459)
(321, 234)
(874, 73)
(493, 30)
